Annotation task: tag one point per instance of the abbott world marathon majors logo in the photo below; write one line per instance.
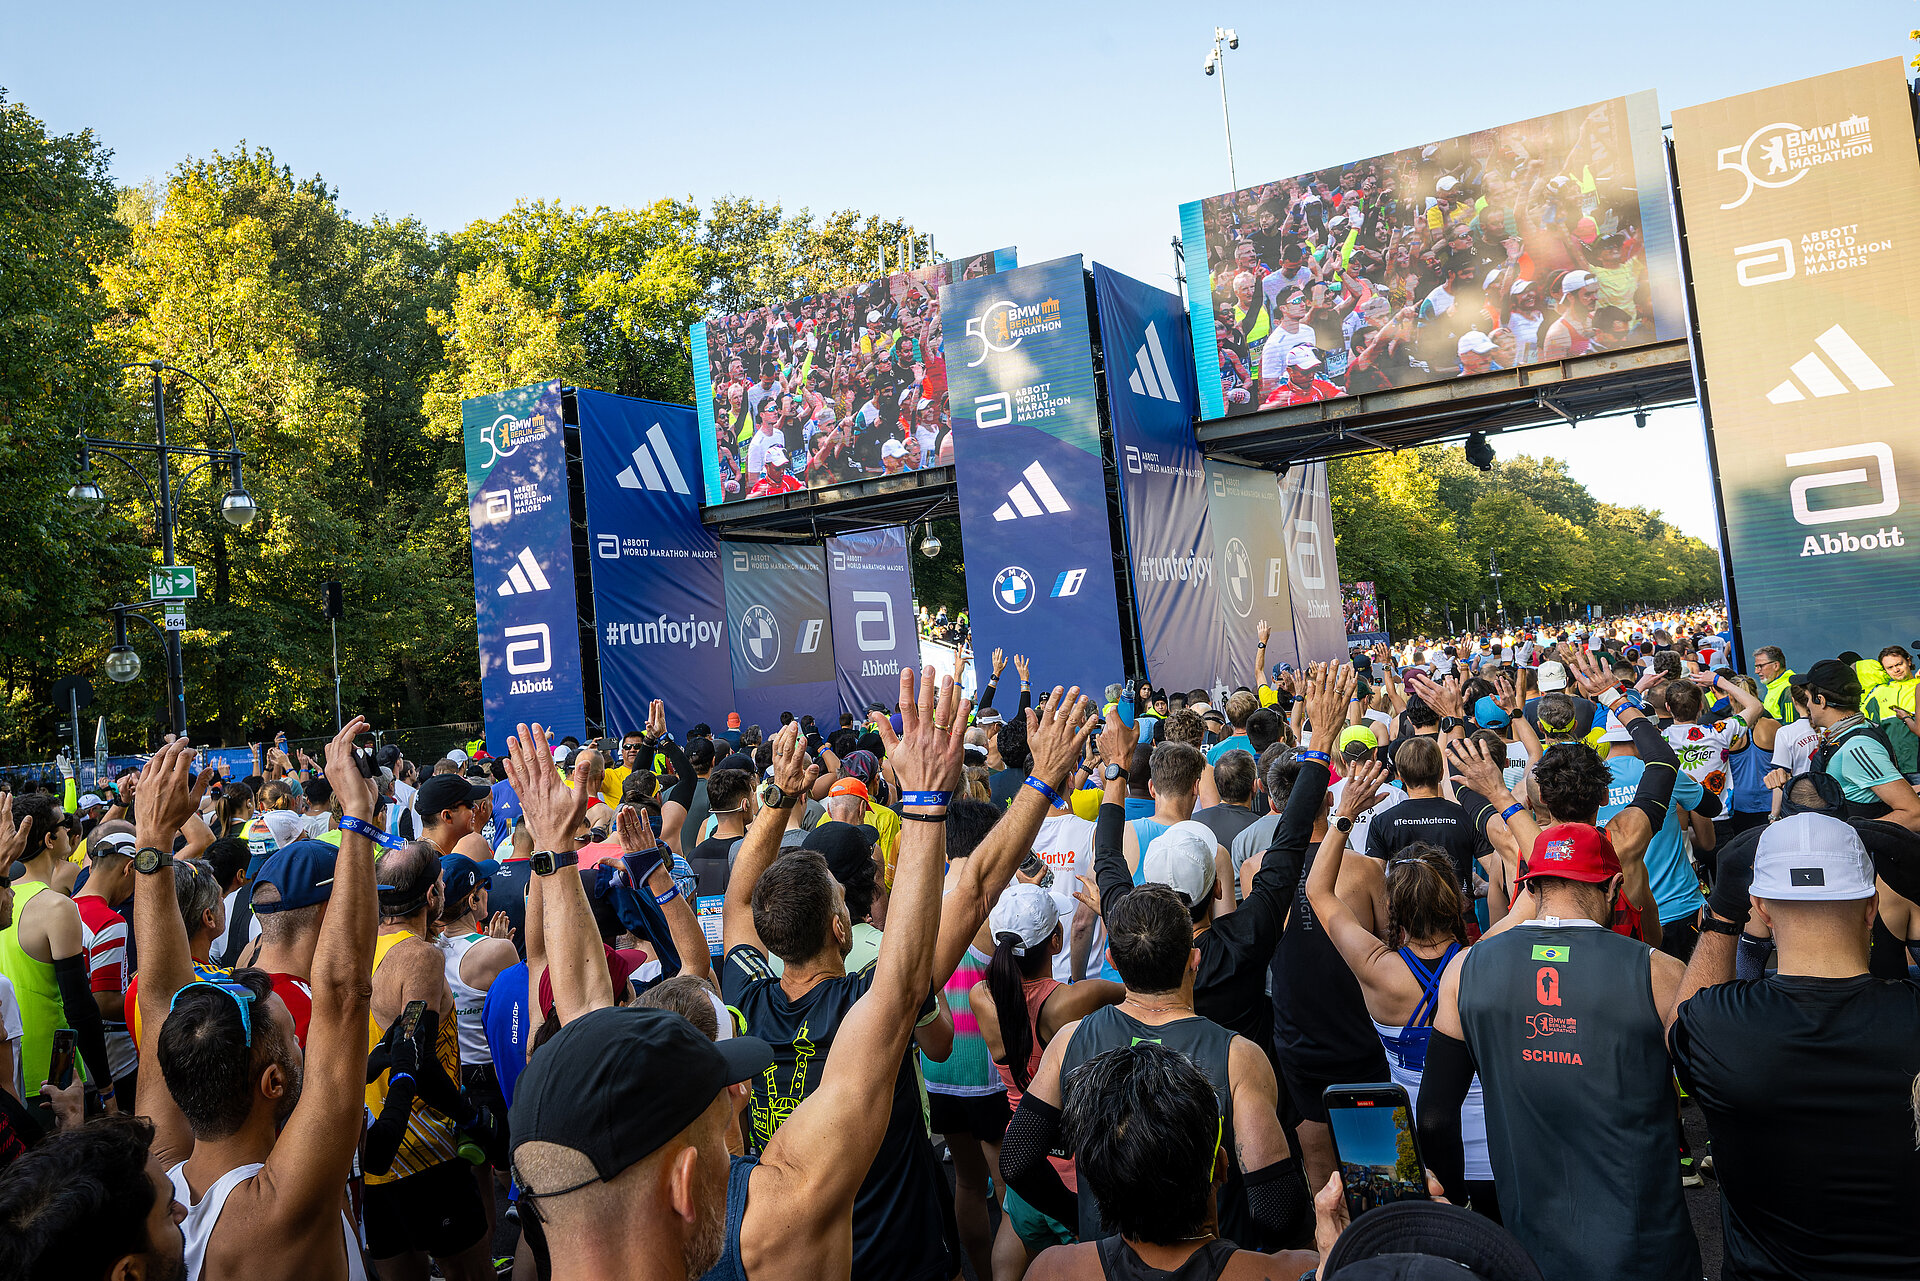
(1780, 154)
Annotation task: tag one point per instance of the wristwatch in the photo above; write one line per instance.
(1114, 770)
(150, 859)
(1342, 824)
(547, 862)
(775, 797)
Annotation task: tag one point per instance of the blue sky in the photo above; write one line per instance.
(1058, 128)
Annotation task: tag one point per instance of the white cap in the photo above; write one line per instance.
(89, 801)
(1811, 858)
(1553, 676)
(1301, 357)
(1027, 912)
(1574, 281)
(1475, 341)
(873, 316)
(561, 754)
(1520, 286)
(1181, 858)
(893, 449)
(284, 826)
(1446, 184)
(1616, 731)
(776, 456)
(458, 756)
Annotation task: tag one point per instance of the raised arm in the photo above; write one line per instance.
(1056, 733)
(314, 1156)
(1110, 874)
(817, 1160)
(792, 775)
(684, 929)
(576, 959)
(1356, 943)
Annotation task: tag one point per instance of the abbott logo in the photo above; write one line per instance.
(654, 468)
(1308, 560)
(533, 653)
(1764, 262)
(1133, 459)
(873, 628)
(496, 506)
(1888, 503)
(1820, 379)
(1151, 377)
(993, 411)
(839, 562)
(739, 562)
(607, 546)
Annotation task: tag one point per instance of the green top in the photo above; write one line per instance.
(37, 991)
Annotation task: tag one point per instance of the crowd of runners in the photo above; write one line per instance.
(1054, 986)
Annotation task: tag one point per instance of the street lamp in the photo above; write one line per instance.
(237, 507)
(930, 545)
(1496, 574)
(1217, 65)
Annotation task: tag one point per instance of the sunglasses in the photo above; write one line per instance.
(241, 995)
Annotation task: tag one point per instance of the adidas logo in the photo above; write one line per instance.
(1819, 377)
(645, 474)
(524, 576)
(1150, 376)
(1021, 499)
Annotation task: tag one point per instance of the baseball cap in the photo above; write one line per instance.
(893, 449)
(1027, 912)
(1812, 858)
(463, 874)
(849, 787)
(302, 872)
(1572, 852)
(1520, 286)
(1574, 281)
(1357, 734)
(112, 843)
(1830, 676)
(873, 316)
(1616, 732)
(1302, 357)
(1553, 676)
(88, 801)
(776, 457)
(285, 826)
(1475, 341)
(621, 1082)
(847, 847)
(1490, 714)
(1446, 184)
(1181, 858)
(1427, 1241)
(446, 791)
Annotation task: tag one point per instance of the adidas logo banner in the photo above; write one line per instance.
(654, 466)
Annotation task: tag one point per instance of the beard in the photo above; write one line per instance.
(293, 1066)
(703, 1247)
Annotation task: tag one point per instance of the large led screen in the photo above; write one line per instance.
(1524, 244)
(829, 389)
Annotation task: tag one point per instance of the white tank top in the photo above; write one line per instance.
(469, 1003)
(198, 1226)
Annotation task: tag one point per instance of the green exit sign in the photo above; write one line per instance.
(172, 582)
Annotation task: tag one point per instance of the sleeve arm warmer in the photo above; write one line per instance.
(1030, 1136)
(684, 787)
(83, 1016)
(384, 1135)
(1281, 869)
(1443, 1088)
(1655, 793)
(986, 694)
(1109, 858)
(1277, 1200)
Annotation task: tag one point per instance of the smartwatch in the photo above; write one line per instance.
(547, 862)
(150, 859)
(1114, 771)
(1342, 824)
(775, 797)
(1712, 924)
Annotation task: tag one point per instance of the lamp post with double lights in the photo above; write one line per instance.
(237, 507)
(1224, 38)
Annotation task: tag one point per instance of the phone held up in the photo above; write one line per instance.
(1374, 1145)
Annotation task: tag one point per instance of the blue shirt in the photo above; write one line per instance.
(1139, 807)
(1676, 888)
(506, 807)
(1238, 743)
(507, 1019)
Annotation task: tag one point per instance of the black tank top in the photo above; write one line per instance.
(1118, 1262)
(1320, 1024)
(1582, 1127)
(1209, 1046)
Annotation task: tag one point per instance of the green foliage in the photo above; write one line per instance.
(1422, 524)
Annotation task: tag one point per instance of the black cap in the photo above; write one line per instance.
(847, 848)
(1416, 1240)
(616, 1084)
(443, 792)
(1832, 677)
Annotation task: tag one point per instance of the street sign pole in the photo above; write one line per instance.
(339, 721)
(73, 710)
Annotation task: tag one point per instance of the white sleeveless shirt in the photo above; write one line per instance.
(202, 1215)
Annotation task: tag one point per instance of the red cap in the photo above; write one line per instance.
(1572, 852)
(733, 720)
(849, 787)
(621, 963)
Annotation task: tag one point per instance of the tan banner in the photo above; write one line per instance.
(1802, 214)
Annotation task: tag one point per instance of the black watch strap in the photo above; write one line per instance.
(1711, 924)
(547, 862)
(1115, 770)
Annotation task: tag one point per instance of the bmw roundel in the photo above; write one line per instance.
(1013, 589)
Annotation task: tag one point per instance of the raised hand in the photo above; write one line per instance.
(1020, 665)
(343, 771)
(1362, 791)
(1088, 893)
(929, 750)
(1118, 739)
(656, 719)
(1329, 688)
(636, 834)
(793, 770)
(13, 835)
(500, 926)
(1263, 631)
(999, 662)
(1057, 730)
(553, 809)
(171, 797)
(1593, 678)
(1473, 766)
(1442, 696)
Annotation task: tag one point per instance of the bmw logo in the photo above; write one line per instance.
(760, 638)
(1239, 577)
(1013, 589)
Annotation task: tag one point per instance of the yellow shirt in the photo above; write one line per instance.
(431, 1138)
(887, 823)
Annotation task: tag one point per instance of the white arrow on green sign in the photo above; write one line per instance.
(172, 582)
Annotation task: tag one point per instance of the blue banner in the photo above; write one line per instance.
(870, 589)
(1249, 547)
(1163, 489)
(659, 604)
(782, 647)
(1027, 463)
(1313, 578)
(523, 592)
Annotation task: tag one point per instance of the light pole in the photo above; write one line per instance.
(1217, 65)
(1493, 572)
(237, 507)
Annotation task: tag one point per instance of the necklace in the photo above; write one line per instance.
(1158, 1009)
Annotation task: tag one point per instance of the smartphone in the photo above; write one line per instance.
(1127, 704)
(410, 1019)
(1374, 1145)
(60, 1065)
(1033, 865)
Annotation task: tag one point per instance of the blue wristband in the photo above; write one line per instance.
(1510, 811)
(360, 827)
(661, 900)
(1053, 797)
(926, 798)
(1308, 754)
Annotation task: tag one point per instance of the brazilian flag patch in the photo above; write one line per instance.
(1552, 952)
